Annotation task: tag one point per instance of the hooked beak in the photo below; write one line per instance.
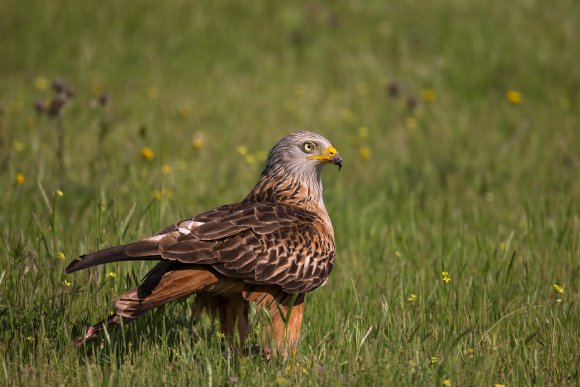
(331, 156)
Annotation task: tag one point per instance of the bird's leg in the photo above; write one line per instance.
(233, 312)
(284, 310)
(283, 329)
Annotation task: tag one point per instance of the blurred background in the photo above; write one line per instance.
(458, 122)
(449, 75)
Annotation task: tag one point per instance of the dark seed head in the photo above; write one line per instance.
(58, 85)
(412, 103)
(40, 107)
(394, 89)
(104, 99)
(70, 93)
(56, 104)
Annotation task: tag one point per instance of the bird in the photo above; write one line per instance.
(270, 249)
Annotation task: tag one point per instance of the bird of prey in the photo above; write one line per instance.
(271, 249)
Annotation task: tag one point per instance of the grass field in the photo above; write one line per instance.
(459, 126)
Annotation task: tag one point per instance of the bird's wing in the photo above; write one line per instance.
(268, 244)
(148, 248)
(214, 213)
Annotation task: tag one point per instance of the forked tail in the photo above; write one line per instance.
(142, 250)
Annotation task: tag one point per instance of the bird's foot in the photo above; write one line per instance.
(79, 341)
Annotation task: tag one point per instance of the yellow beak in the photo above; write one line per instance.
(331, 156)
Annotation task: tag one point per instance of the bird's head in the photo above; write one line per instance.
(303, 153)
(292, 172)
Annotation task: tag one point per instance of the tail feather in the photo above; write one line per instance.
(142, 250)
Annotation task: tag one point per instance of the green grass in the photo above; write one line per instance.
(467, 183)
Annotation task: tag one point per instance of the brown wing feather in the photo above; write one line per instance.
(268, 244)
(207, 216)
(260, 243)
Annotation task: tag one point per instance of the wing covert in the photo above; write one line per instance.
(269, 244)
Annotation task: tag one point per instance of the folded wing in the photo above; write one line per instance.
(263, 244)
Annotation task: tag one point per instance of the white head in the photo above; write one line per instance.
(292, 172)
(302, 154)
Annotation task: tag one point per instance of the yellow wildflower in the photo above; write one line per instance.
(410, 123)
(364, 152)
(242, 150)
(446, 277)
(514, 97)
(30, 338)
(111, 275)
(41, 83)
(166, 169)
(558, 289)
(412, 298)
(397, 253)
(447, 382)
(428, 95)
(60, 255)
(499, 385)
(147, 153)
(66, 283)
(17, 146)
(20, 179)
(162, 194)
(250, 159)
(363, 131)
(197, 142)
(58, 192)
(434, 359)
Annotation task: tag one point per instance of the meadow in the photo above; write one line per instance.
(456, 214)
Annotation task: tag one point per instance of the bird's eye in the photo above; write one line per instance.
(309, 146)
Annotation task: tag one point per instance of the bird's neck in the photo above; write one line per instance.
(277, 185)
